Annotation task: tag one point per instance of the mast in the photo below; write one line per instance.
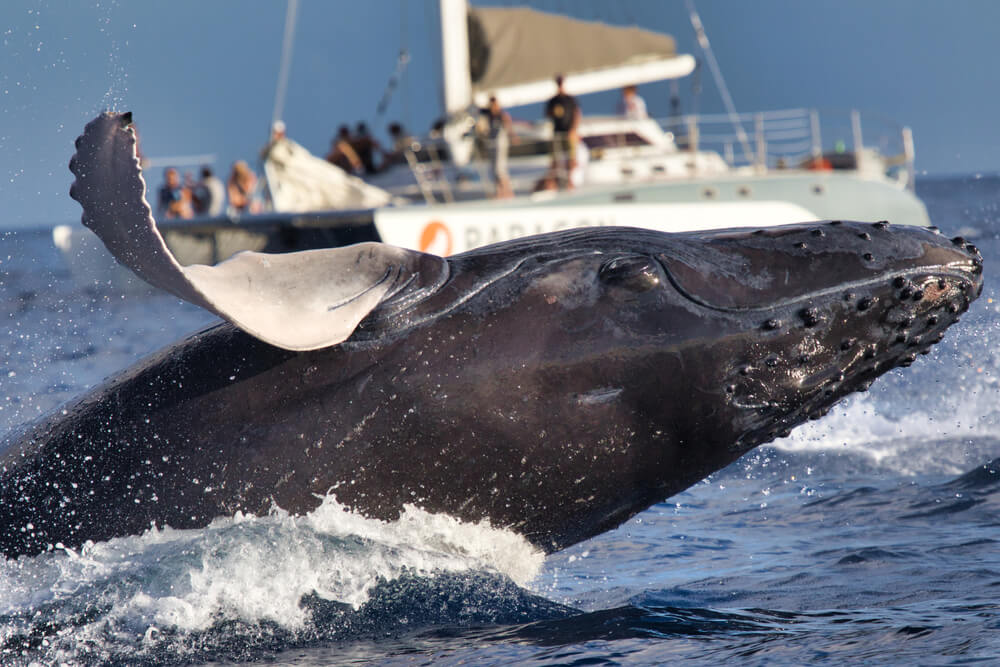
(287, 44)
(455, 56)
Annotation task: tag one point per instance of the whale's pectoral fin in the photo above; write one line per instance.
(306, 300)
(298, 301)
(110, 188)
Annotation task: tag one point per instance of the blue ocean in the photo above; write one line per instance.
(871, 536)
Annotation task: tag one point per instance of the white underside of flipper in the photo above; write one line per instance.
(298, 301)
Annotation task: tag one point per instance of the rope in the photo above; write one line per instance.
(699, 31)
(287, 43)
(401, 62)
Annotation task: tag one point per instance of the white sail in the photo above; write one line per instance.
(299, 181)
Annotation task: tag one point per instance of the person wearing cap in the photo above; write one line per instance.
(564, 113)
(278, 136)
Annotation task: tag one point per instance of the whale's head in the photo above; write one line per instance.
(807, 314)
(716, 342)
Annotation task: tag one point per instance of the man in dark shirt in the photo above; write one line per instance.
(564, 113)
(365, 146)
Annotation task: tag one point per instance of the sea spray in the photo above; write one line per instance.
(251, 569)
(951, 396)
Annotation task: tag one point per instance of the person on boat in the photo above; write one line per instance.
(208, 197)
(242, 189)
(497, 130)
(548, 182)
(401, 139)
(437, 129)
(365, 146)
(278, 142)
(189, 184)
(401, 142)
(579, 171)
(279, 133)
(564, 113)
(174, 199)
(342, 153)
(632, 106)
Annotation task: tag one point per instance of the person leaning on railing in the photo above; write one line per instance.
(242, 189)
(174, 199)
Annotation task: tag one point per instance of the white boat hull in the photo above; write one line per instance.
(447, 230)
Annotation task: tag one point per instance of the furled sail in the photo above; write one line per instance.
(515, 53)
(299, 181)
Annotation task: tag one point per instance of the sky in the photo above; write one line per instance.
(200, 75)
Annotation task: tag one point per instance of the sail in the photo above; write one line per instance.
(515, 53)
(299, 181)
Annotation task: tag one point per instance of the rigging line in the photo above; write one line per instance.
(401, 62)
(699, 31)
(404, 45)
(287, 44)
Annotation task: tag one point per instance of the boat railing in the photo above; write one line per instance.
(428, 171)
(800, 138)
(761, 141)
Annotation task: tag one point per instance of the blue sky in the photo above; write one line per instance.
(200, 75)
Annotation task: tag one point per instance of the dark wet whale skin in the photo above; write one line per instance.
(555, 386)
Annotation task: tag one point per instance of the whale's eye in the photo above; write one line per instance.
(638, 273)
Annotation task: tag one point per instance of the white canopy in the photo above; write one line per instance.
(515, 54)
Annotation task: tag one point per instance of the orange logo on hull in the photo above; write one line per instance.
(436, 239)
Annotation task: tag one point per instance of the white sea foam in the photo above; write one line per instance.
(256, 569)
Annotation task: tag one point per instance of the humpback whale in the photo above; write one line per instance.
(555, 385)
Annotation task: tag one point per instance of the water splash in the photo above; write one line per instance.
(117, 74)
(274, 571)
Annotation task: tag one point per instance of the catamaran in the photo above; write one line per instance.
(678, 173)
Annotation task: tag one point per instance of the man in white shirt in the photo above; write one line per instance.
(632, 106)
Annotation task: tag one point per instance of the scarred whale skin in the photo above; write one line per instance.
(555, 386)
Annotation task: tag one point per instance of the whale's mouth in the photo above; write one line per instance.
(767, 269)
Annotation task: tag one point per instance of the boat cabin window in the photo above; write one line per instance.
(614, 140)
(525, 148)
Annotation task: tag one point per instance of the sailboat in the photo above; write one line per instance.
(674, 174)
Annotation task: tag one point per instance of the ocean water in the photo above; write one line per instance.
(870, 536)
